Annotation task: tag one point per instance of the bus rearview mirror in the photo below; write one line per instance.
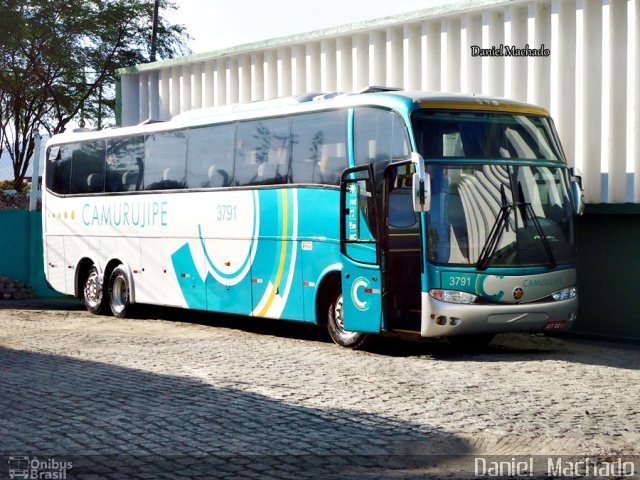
(421, 192)
(577, 190)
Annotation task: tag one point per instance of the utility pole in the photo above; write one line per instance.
(154, 32)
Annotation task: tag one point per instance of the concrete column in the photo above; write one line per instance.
(495, 65)
(328, 65)
(270, 74)
(591, 97)
(617, 94)
(431, 53)
(233, 80)
(165, 94)
(313, 67)
(186, 77)
(542, 65)
(197, 85)
(284, 72)
(244, 78)
(566, 67)
(257, 76)
(517, 67)
(377, 58)
(176, 76)
(209, 84)
(154, 94)
(360, 58)
(299, 69)
(344, 64)
(453, 49)
(143, 87)
(221, 81)
(473, 65)
(395, 57)
(130, 107)
(411, 50)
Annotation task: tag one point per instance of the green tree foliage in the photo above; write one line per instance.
(58, 60)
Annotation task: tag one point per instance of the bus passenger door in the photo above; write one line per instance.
(359, 245)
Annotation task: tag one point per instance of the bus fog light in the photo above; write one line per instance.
(564, 294)
(441, 320)
(452, 296)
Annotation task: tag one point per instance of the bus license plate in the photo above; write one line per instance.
(556, 325)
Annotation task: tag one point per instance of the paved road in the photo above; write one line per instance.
(179, 394)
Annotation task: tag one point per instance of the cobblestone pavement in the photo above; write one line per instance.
(184, 395)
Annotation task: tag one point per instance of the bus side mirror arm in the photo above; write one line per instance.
(421, 185)
(577, 190)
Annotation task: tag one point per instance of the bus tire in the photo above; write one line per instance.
(93, 292)
(335, 325)
(119, 293)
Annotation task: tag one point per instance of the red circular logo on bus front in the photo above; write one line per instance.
(518, 293)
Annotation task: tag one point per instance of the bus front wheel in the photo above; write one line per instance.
(335, 325)
(119, 293)
(92, 292)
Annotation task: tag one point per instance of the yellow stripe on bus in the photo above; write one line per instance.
(485, 105)
(283, 255)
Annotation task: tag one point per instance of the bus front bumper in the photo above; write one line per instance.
(440, 319)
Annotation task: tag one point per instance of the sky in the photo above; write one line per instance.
(218, 24)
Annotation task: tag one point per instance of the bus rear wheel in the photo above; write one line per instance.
(335, 325)
(92, 292)
(119, 293)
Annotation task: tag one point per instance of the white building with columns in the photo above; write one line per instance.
(590, 80)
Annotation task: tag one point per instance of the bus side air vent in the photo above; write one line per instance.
(149, 121)
(309, 96)
(378, 88)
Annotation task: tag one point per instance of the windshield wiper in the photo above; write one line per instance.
(527, 210)
(500, 225)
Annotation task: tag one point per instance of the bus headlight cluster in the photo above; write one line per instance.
(565, 294)
(452, 296)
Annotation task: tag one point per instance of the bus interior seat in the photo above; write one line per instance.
(95, 182)
(129, 180)
(217, 177)
(266, 173)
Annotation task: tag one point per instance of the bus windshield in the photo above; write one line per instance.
(500, 215)
(483, 135)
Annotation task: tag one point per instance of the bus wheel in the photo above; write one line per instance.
(93, 293)
(119, 293)
(335, 326)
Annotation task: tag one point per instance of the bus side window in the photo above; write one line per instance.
(210, 156)
(87, 167)
(125, 164)
(380, 138)
(319, 153)
(58, 170)
(165, 160)
(262, 153)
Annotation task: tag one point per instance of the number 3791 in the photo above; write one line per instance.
(226, 213)
(459, 281)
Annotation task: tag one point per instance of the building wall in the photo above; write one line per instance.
(589, 82)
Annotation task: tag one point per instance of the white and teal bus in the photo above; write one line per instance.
(382, 211)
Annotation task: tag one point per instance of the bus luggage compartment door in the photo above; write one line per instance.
(361, 275)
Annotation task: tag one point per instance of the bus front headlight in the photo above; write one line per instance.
(565, 294)
(452, 296)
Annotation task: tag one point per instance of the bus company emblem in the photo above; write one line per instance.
(359, 283)
(518, 293)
